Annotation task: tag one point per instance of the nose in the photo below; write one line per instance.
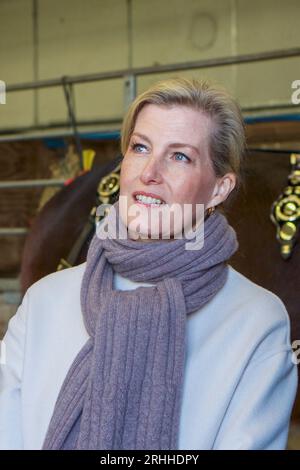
(152, 171)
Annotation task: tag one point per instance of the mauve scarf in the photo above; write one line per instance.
(124, 388)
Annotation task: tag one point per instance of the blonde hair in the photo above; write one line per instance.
(227, 139)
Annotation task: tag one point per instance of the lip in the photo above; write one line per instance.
(143, 193)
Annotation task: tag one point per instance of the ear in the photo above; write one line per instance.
(223, 187)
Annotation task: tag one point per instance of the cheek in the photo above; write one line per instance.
(193, 190)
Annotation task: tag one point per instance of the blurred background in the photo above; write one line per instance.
(69, 70)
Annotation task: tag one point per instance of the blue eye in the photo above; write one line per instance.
(182, 155)
(138, 147)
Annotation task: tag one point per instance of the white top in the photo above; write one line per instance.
(239, 381)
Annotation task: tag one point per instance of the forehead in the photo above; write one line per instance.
(170, 122)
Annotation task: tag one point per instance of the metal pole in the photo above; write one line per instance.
(200, 64)
(4, 232)
(263, 149)
(9, 284)
(129, 90)
(31, 183)
(110, 134)
(68, 91)
(61, 124)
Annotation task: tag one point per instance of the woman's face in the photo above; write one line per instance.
(168, 159)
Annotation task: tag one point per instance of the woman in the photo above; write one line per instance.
(149, 345)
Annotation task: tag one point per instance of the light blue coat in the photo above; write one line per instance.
(239, 384)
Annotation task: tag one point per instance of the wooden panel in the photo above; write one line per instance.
(271, 132)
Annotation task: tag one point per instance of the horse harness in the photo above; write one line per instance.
(285, 211)
(107, 193)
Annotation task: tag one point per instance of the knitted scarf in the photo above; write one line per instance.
(124, 388)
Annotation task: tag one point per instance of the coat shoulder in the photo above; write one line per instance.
(56, 292)
(58, 281)
(265, 306)
(251, 291)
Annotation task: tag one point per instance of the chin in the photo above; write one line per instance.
(145, 233)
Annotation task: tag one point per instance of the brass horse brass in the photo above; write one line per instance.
(108, 186)
(108, 191)
(285, 211)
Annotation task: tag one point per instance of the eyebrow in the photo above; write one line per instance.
(174, 145)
